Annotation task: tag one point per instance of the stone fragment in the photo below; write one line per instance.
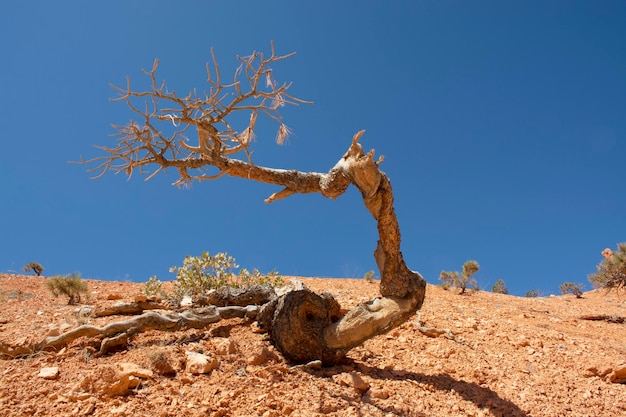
(198, 363)
(224, 346)
(618, 376)
(352, 379)
(141, 298)
(186, 301)
(51, 372)
(135, 370)
(379, 393)
(114, 296)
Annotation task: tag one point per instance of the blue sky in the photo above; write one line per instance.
(503, 126)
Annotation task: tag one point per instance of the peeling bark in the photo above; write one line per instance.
(114, 332)
(306, 327)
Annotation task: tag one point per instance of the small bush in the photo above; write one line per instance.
(33, 267)
(369, 277)
(500, 288)
(533, 293)
(571, 288)
(611, 271)
(154, 288)
(206, 272)
(71, 286)
(464, 281)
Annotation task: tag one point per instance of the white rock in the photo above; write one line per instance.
(186, 301)
(197, 363)
(51, 372)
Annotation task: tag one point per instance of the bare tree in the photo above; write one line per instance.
(304, 326)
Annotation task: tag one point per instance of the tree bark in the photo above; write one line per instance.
(306, 327)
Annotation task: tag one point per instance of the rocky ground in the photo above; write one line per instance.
(479, 355)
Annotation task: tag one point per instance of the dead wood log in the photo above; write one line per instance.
(190, 319)
(604, 317)
(229, 296)
(128, 309)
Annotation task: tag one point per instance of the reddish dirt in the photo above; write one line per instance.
(486, 355)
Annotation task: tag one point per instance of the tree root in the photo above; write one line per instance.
(190, 319)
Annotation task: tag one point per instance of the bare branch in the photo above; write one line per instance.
(158, 138)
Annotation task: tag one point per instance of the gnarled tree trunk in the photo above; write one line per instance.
(305, 326)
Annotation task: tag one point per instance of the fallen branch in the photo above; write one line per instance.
(189, 319)
(604, 317)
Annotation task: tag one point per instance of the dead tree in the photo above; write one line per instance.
(304, 326)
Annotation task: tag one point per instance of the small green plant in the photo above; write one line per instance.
(571, 288)
(71, 286)
(500, 287)
(463, 281)
(154, 288)
(611, 271)
(206, 272)
(33, 267)
(533, 293)
(369, 277)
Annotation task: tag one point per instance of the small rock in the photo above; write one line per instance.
(114, 296)
(51, 372)
(197, 363)
(353, 380)
(84, 311)
(135, 370)
(141, 298)
(54, 331)
(379, 393)
(618, 376)
(224, 346)
(186, 301)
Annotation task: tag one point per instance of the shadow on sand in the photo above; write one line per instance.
(484, 398)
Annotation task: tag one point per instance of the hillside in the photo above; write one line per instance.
(484, 354)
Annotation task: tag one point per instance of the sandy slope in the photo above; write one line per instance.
(484, 355)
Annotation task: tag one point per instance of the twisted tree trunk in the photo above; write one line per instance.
(305, 326)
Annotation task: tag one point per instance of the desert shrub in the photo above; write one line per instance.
(154, 288)
(611, 271)
(463, 281)
(33, 267)
(206, 272)
(369, 277)
(533, 293)
(571, 288)
(71, 286)
(500, 287)
(247, 279)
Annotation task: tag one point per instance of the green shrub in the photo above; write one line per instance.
(369, 277)
(500, 287)
(612, 270)
(154, 288)
(571, 288)
(533, 293)
(70, 285)
(464, 281)
(34, 267)
(206, 272)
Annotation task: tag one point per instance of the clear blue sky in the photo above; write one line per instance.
(503, 126)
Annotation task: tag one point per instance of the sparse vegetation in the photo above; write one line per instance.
(71, 286)
(533, 293)
(154, 288)
(461, 281)
(200, 274)
(571, 288)
(611, 271)
(500, 287)
(33, 267)
(369, 277)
